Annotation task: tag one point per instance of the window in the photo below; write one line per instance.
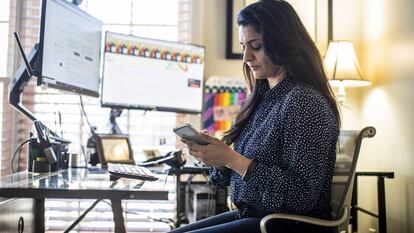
(141, 18)
(61, 111)
(147, 130)
(4, 32)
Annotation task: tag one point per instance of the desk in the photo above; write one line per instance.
(382, 214)
(220, 192)
(79, 184)
(180, 188)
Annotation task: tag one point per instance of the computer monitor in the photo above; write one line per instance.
(69, 48)
(142, 73)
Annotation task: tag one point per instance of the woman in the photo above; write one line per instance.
(285, 134)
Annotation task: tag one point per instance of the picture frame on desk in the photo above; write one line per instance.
(114, 148)
(313, 13)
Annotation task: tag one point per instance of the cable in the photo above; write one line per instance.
(18, 159)
(84, 155)
(169, 221)
(189, 180)
(209, 195)
(55, 117)
(60, 122)
(86, 116)
(19, 148)
(165, 180)
(82, 216)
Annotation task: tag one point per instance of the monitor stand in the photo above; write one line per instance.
(20, 80)
(115, 112)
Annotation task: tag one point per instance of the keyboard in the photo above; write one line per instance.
(131, 171)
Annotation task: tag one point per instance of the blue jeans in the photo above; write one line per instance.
(230, 222)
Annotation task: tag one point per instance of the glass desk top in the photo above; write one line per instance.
(80, 183)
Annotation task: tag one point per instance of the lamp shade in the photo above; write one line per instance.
(342, 66)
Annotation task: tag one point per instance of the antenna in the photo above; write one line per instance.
(29, 69)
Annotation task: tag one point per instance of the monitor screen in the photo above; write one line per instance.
(151, 74)
(114, 148)
(69, 53)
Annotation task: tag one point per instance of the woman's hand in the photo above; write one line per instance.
(217, 153)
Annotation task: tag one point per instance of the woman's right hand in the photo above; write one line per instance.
(218, 154)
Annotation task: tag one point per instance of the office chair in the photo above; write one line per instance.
(342, 183)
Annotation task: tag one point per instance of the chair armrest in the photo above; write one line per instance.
(306, 219)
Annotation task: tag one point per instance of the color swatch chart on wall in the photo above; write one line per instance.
(222, 101)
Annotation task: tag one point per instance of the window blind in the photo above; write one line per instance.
(23, 18)
(61, 111)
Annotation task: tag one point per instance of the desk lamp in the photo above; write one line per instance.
(342, 68)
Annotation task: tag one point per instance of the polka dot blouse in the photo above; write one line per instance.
(291, 136)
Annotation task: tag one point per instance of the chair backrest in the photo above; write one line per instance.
(344, 173)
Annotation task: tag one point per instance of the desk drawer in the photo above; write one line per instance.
(17, 215)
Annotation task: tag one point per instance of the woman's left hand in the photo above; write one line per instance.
(216, 153)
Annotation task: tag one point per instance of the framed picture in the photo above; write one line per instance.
(313, 13)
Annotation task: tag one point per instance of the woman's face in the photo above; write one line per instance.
(254, 55)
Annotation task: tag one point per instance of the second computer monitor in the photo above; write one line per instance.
(142, 73)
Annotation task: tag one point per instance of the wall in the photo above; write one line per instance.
(383, 34)
(388, 37)
(209, 29)
(212, 20)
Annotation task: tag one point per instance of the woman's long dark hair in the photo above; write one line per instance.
(287, 43)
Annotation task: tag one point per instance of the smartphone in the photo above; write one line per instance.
(186, 131)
